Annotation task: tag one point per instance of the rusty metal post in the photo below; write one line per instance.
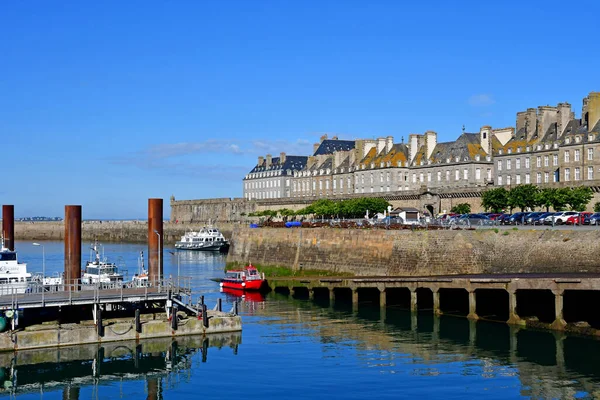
(8, 226)
(72, 246)
(154, 389)
(155, 240)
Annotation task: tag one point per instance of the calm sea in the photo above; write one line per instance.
(300, 349)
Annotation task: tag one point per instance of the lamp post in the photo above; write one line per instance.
(159, 253)
(177, 266)
(43, 263)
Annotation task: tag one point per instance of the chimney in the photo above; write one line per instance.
(430, 142)
(593, 109)
(380, 144)
(260, 161)
(389, 143)
(564, 116)
(485, 138)
(530, 122)
(334, 138)
(269, 158)
(281, 158)
(338, 158)
(547, 116)
(324, 137)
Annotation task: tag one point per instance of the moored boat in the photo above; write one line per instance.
(14, 277)
(99, 270)
(244, 279)
(207, 239)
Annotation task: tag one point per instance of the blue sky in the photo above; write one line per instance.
(108, 103)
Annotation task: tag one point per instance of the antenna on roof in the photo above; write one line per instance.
(463, 128)
(402, 139)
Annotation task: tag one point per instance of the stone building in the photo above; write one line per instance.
(552, 148)
(271, 177)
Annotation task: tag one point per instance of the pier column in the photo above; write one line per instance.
(8, 226)
(382, 298)
(513, 317)
(292, 292)
(354, 299)
(311, 293)
(331, 296)
(559, 321)
(436, 301)
(155, 240)
(154, 392)
(513, 342)
(72, 270)
(559, 337)
(413, 300)
(472, 305)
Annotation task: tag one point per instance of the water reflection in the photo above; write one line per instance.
(548, 364)
(156, 361)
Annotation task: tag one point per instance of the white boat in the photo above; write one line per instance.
(141, 278)
(99, 270)
(207, 239)
(14, 277)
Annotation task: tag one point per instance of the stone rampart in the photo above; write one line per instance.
(109, 231)
(419, 253)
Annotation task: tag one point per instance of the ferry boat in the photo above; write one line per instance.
(99, 270)
(14, 277)
(207, 239)
(245, 279)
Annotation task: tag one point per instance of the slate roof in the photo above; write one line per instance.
(332, 145)
(291, 163)
(466, 147)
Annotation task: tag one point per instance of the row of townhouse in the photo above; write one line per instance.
(548, 145)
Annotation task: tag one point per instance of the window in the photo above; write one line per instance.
(538, 177)
(508, 164)
(546, 160)
(334, 184)
(527, 178)
(555, 160)
(362, 179)
(508, 180)
(527, 162)
(371, 178)
(439, 176)
(518, 163)
(314, 185)
(499, 180)
(590, 173)
(518, 179)
(429, 177)
(538, 162)
(414, 178)
(567, 174)
(590, 154)
(465, 174)
(555, 176)
(546, 177)
(387, 177)
(577, 173)
(456, 175)
(576, 155)
(477, 174)
(499, 165)
(320, 185)
(447, 176)
(489, 174)
(567, 156)
(381, 177)
(421, 177)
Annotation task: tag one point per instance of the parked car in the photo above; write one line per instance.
(593, 219)
(500, 219)
(532, 216)
(560, 218)
(493, 216)
(474, 220)
(538, 219)
(577, 219)
(548, 219)
(516, 218)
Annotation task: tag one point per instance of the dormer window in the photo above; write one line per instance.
(591, 138)
(539, 147)
(509, 151)
(488, 158)
(448, 160)
(457, 159)
(577, 139)
(555, 145)
(399, 163)
(342, 170)
(527, 148)
(500, 151)
(518, 149)
(381, 164)
(567, 141)
(477, 157)
(546, 146)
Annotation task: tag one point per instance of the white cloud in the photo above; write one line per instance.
(481, 100)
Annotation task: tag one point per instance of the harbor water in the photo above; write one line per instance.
(305, 349)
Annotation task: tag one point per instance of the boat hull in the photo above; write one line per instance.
(222, 247)
(256, 284)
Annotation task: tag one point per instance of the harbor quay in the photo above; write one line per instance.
(548, 279)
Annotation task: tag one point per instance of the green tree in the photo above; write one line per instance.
(462, 208)
(523, 196)
(546, 198)
(597, 207)
(578, 197)
(495, 200)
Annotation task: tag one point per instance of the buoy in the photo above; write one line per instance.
(9, 313)
(2, 324)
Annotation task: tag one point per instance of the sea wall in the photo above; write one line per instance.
(419, 253)
(109, 231)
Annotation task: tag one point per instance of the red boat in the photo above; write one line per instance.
(249, 296)
(245, 279)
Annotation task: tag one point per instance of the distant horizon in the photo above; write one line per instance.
(101, 112)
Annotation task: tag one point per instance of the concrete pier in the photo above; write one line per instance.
(563, 302)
